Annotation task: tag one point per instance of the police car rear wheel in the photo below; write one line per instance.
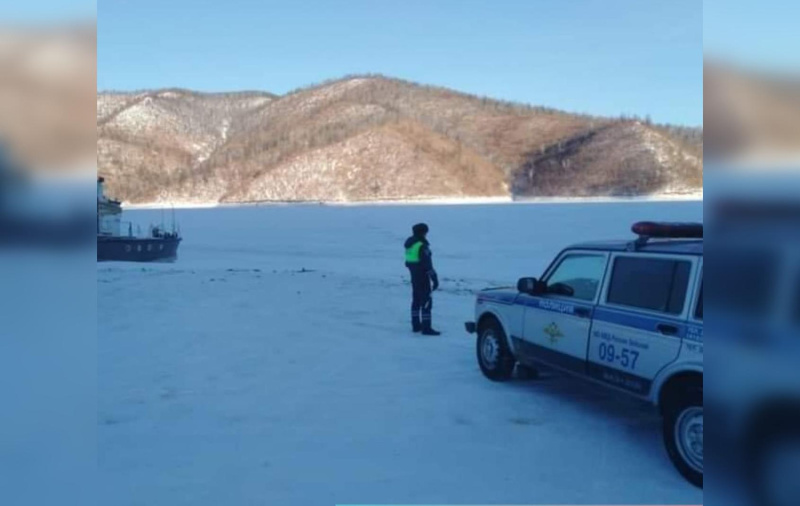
(683, 437)
(494, 357)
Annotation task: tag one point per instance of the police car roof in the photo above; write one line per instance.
(669, 246)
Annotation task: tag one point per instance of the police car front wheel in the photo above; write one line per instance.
(494, 357)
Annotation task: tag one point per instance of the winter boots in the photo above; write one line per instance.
(423, 327)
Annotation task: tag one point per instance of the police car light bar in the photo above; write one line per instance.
(654, 230)
(668, 230)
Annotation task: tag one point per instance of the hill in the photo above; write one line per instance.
(377, 138)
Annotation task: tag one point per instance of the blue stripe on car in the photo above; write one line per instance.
(694, 333)
(555, 306)
(637, 321)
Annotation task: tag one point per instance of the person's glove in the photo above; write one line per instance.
(434, 280)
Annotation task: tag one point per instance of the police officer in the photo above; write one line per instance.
(423, 279)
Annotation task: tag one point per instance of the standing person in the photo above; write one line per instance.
(423, 279)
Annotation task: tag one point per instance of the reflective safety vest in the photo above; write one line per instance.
(412, 252)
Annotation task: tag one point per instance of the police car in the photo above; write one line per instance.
(626, 314)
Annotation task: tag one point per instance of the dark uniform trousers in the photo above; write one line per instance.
(421, 300)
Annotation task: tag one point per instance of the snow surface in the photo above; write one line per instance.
(694, 195)
(273, 364)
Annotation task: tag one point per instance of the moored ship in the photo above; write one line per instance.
(158, 245)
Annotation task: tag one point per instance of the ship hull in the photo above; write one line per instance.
(137, 249)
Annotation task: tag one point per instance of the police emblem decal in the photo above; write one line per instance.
(553, 333)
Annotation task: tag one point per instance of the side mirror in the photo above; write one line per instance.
(531, 286)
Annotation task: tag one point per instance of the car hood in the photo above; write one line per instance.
(503, 295)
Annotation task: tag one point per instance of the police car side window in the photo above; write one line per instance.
(656, 284)
(580, 272)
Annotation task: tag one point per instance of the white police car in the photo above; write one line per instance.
(627, 314)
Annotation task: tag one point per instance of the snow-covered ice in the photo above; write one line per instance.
(273, 364)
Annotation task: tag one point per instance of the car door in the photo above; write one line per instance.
(556, 326)
(641, 320)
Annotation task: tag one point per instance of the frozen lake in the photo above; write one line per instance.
(273, 364)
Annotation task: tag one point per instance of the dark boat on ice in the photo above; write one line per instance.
(158, 245)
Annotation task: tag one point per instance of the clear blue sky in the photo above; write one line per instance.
(602, 57)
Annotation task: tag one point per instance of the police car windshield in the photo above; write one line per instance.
(581, 272)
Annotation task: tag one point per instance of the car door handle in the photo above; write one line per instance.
(583, 312)
(667, 329)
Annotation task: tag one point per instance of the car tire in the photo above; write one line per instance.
(494, 357)
(683, 435)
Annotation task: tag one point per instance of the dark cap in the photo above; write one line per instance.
(420, 229)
